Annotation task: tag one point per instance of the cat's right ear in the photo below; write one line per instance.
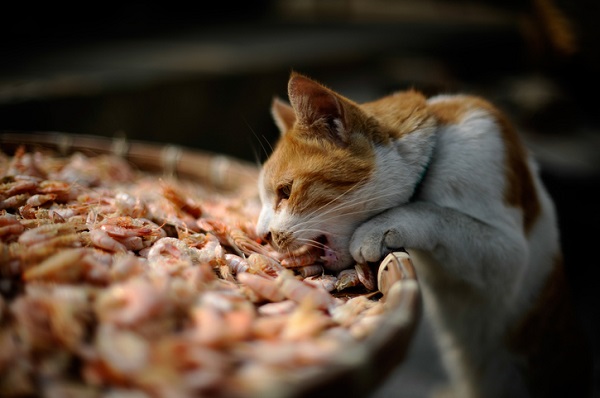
(283, 115)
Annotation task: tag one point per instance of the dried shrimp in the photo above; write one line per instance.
(114, 282)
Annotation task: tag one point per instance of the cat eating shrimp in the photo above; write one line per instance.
(448, 179)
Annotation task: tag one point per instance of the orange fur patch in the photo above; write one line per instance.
(399, 114)
(520, 190)
(321, 171)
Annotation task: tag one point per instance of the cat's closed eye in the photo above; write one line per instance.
(283, 192)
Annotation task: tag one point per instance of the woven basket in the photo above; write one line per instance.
(355, 372)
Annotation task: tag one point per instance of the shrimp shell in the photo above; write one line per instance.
(183, 203)
(11, 229)
(14, 202)
(127, 303)
(45, 233)
(277, 308)
(304, 259)
(264, 287)
(261, 264)
(17, 187)
(325, 281)
(46, 248)
(366, 276)
(60, 267)
(304, 323)
(299, 291)
(236, 264)
(232, 236)
(347, 278)
(40, 199)
(310, 270)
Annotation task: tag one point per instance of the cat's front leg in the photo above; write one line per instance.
(408, 226)
(468, 248)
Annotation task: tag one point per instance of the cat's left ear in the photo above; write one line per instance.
(283, 115)
(318, 107)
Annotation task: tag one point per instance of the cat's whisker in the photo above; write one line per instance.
(319, 218)
(313, 242)
(349, 204)
(336, 216)
(318, 209)
(257, 156)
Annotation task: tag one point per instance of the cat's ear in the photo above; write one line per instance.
(283, 115)
(317, 106)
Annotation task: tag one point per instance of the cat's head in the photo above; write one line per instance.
(323, 178)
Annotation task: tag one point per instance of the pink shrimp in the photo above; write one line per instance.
(122, 353)
(231, 236)
(325, 281)
(28, 212)
(40, 199)
(123, 227)
(24, 164)
(305, 322)
(269, 326)
(17, 186)
(129, 205)
(133, 243)
(46, 248)
(310, 270)
(209, 326)
(47, 239)
(127, 266)
(14, 202)
(299, 291)
(347, 278)
(9, 258)
(222, 318)
(348, 313)
(104, 241)
(261, 264)
(169, 249)
(262, 286)
(308, 257)
(130, 302)
(366, 276)
(236, 263)
(61, 267)
(277, 308)
(10, 225)
(185, 204)
(44, 233)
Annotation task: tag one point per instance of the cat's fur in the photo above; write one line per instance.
(448, 179)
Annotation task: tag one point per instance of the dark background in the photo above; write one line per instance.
(203, 76)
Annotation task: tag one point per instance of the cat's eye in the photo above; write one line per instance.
(284, 191)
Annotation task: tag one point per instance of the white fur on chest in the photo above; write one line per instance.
(467, 175)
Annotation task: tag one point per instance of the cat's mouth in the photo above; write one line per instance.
(329, 256)
(317, 251)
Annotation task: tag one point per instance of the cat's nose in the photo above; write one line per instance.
(268, 237)
(279, 239)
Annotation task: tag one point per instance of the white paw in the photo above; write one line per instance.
(373, 240)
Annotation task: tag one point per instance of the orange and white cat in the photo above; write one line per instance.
(448, 179)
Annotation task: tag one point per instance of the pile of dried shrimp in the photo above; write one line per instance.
(116, 283)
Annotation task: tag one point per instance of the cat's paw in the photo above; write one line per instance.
(373, 240)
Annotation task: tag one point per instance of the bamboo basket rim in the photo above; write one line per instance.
(220, 171)
(356, 371)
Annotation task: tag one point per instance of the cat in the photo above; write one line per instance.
(448, 179)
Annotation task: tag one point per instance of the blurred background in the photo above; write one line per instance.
(203, 76)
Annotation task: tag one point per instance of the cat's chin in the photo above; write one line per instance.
(336, 256)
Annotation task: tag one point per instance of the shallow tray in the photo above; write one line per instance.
(355, 372)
